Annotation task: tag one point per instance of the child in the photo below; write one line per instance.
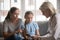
(31, 28)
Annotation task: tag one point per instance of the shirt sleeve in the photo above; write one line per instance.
(5, 26)
(22, 25)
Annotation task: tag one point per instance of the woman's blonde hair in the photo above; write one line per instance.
(48, 5)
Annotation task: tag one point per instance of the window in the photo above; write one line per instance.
(15, 1)
(5, 5)
(25, 5)
(34, 5)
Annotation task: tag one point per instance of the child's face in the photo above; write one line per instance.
(29, 18)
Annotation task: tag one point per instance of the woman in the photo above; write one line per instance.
(13, 26)
(32, 29)
(49, 11)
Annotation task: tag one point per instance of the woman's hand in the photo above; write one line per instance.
(6, 34)
(36, 37)
(26, 37)
(19, 30)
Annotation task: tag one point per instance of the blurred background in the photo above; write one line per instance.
(25, 5)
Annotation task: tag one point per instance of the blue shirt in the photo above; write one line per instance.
(31, 28)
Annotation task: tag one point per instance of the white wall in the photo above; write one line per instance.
(58, 5)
